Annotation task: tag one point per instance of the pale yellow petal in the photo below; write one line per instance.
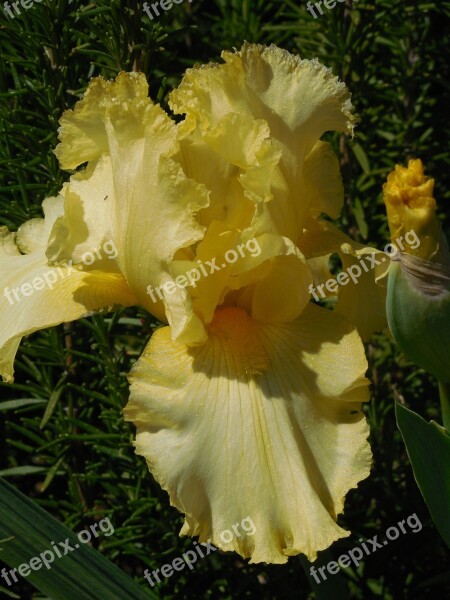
(33, 235)
(36, 296)
(323, 180)
(267, 275)
(264, 111)
(155, 206)
(290, 94)
(7, 355)
(8, 246)
(227, 201)
(362, 298)
(82, 132)
(86, 223)
(320, 269)
(282, 294)
(261, 422)
(137, 193)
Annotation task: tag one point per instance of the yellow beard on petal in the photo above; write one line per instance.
(239, 334)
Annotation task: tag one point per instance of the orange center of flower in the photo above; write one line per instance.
(241, 339)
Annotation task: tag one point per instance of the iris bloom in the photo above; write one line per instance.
(248, 402)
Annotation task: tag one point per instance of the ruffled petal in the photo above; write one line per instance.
(264, 111)
(267, 275)
(261, 422)
(137, 193)
(227, 202)
(82, 130)
(154, 211)
(411, 209)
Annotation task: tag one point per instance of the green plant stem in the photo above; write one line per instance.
(444, 392)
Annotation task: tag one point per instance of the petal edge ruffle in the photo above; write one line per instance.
(261, 422)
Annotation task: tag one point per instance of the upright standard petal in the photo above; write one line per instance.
(265, 167)
(263, 111)
(135, 189)
(263, 421)
(82, 130)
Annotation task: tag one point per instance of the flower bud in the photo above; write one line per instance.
(418, 298)
(408, 195)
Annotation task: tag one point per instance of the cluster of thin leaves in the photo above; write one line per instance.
(63, 441)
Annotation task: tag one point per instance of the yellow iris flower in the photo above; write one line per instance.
(248, 403)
